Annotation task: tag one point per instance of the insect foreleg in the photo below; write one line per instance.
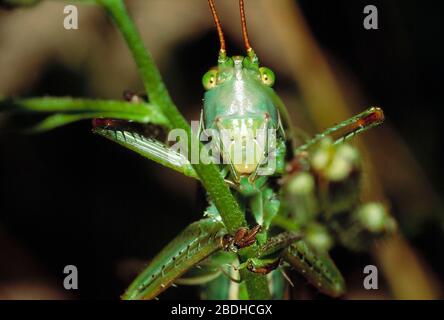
(243, 238)
(225, 154)
(201, 124)
(284, 115)
(281, 126)
(149, 148)
(265, 141)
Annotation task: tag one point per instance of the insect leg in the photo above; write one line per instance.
(349, 128)
(225, 155)
(318, 268)
(263, 266)
(278, 243)
(243, 238)
(246, 238)
(280, 125)
(252, 177)
(268, 256)
(225, 287)
(151, 149)
(285, 118)
(194, 244)
(201, 124)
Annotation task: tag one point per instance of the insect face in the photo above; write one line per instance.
(238, 104)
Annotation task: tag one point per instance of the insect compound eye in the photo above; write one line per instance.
(209, 79)
(267, 76)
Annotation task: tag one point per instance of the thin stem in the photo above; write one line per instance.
(78, 105)
(68, 110)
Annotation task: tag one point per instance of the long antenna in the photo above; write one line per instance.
(244, 26)
(218, 27)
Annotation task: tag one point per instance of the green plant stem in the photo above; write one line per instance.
(66, 110)
(257, 285)
(229, 209)
(142, 112)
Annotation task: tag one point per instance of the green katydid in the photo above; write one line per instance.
(239, 98)
(240, 95)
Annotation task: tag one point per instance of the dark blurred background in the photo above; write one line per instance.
(69, 197)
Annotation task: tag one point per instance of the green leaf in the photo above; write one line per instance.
(68, 110)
